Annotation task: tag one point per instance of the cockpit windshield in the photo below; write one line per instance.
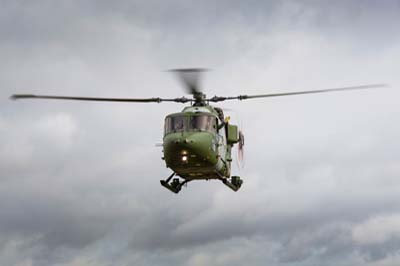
(197, 122)
(202, 123)
(174, 124)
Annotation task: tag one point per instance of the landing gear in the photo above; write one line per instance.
(174, 186)
(235, 183)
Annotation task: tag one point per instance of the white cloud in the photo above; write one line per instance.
(200, 259)
(58, 129)
(377, 230)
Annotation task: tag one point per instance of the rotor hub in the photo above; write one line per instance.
(199, 99)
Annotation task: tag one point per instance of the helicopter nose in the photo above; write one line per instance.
(184, 141)
(189, 148)
(185, 145)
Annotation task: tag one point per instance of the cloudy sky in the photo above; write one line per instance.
(79, 182)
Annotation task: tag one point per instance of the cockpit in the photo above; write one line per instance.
(195, 122)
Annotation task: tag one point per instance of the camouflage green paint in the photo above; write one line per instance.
(198, 154)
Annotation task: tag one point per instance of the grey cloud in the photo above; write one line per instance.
(79, 182)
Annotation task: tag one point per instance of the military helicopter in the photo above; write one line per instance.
(198, 141)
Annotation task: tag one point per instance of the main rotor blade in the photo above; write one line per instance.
(190, 78)
(97, 99)
(245, 97)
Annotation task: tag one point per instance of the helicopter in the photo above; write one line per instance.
(197, 141)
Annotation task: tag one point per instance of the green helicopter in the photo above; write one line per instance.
(198, 141)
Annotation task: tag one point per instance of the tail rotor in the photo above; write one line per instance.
(241, 149)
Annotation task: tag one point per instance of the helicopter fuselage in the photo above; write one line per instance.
(195, 143)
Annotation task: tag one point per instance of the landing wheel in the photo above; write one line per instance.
(174, 186)
(234, 183)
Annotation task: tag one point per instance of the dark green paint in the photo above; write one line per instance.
(196, 154)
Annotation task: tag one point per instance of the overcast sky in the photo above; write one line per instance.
(79, 182)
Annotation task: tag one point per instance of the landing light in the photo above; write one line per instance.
(184, 158)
